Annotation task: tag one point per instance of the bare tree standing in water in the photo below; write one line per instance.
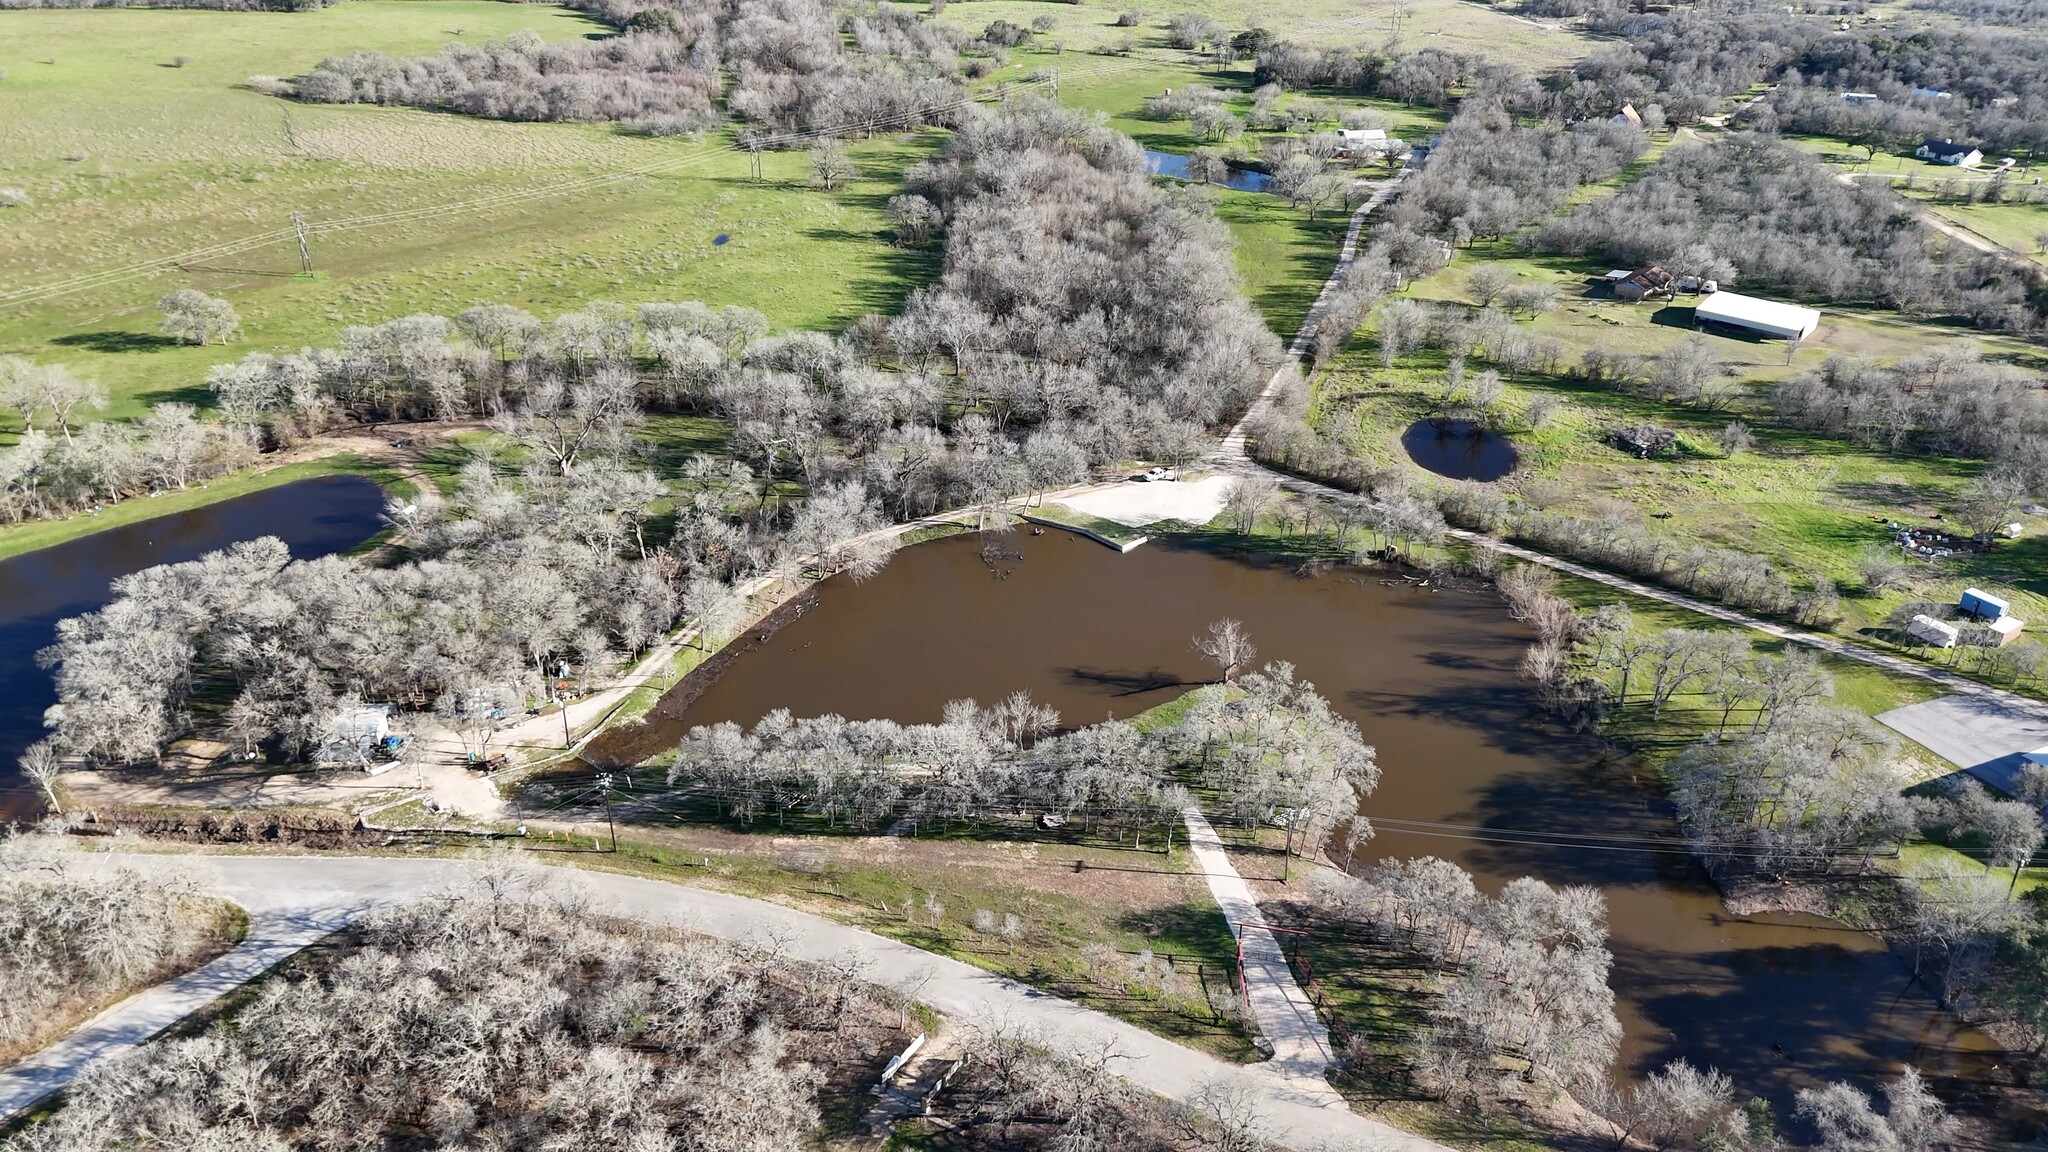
(1227, 646)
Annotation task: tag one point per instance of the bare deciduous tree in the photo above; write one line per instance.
(194, 317)
(1227, 646)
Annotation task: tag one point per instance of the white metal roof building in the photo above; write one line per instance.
(1785, 321)
(1933, 633)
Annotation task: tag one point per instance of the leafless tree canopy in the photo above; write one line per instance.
(76, 929)
(1524, 974)
(791, 67)
(490, 1019)
(1068, 271)
(1270, 746)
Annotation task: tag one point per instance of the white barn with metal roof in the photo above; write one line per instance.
(1769, 317)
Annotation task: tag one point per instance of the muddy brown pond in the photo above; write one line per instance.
(1469, 770)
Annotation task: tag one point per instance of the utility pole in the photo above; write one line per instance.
(305, 249)
(604, 782)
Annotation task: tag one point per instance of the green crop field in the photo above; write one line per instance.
(126, 158)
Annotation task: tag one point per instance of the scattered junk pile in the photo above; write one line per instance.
(1937, 543)
(362, 737)
(1645, 440)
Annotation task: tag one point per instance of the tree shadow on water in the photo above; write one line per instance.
(1125, 682)
(1505, 715)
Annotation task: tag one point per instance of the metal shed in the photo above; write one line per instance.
(1982, 605)
(1769, 317)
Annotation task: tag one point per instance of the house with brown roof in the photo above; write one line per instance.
(1644, 283)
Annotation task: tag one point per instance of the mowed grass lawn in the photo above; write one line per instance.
(128, 159)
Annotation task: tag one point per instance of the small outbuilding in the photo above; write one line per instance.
(2005, 630)
(1751, 314)
(1627, 115)
(1981, 605)
(1643, 284)
(1949, 152)
(1933, 633)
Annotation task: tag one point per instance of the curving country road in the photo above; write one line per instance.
(293, 900)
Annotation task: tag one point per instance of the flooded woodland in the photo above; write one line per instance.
(1470, 771)
(37, 589)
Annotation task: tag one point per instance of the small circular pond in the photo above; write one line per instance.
(1459, 449)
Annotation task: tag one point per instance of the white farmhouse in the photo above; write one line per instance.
(1949, 152)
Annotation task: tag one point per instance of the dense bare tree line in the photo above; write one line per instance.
(1267, 744)
(2007, 13)
(1490, 176)
(790, 65)
(79, 929)
(65, 461)
(1687, 60)
(1075, 295)
(518, 572)
(1752, 211)
(496, 1016)
(515, 575)
(1949, 401)
(1521, 978)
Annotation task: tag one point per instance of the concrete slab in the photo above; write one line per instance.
(1979, 736)
(1137, 504)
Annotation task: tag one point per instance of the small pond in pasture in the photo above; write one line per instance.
(1471, 772)
(1176, 165)
(1459, 449)
(314, 517)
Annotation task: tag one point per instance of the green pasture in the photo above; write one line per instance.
(127, 158)
(1451, 25)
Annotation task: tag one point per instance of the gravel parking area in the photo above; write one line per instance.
(1139, 503)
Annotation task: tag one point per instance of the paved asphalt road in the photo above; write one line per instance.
(292, 900)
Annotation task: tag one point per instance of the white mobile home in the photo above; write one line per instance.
(1933, 633)
(1765, 317)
